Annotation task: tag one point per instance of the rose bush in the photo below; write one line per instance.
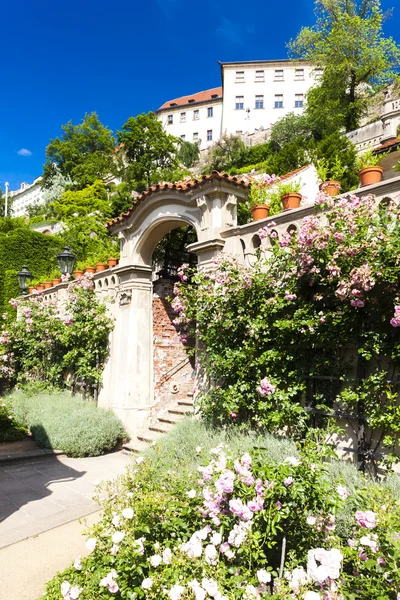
(317, 318)
(238, 526)
(50, 340)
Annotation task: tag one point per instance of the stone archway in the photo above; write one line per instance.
(208, 205)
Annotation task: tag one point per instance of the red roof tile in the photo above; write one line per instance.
(198, 97)
(182, 186)
(387, 144)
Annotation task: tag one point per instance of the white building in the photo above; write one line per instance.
(27, 195)
(259, 93)
(194, 118)
(254, 95)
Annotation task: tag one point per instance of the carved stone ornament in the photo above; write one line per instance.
(125, 297)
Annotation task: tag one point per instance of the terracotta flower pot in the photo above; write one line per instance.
(47, 285)
(56, 281)
(31, 289)
(40, 287)
(291, 200)
(112, 262)
(259, 211)
(100, 267)
(331, 188)
(78, 273)
(370, 175)
(90, 270)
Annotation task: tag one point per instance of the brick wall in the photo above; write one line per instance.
(171, 381)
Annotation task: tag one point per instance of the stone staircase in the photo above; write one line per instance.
(162, 424)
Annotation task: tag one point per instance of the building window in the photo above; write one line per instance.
(299, 74)
(260, 76)
(196, 137)
(278, 74)
(196, 115)
(318, 73)
(259, 102)
(239, 77)
(278, 101)
(298, 100)
(210, 111)
(239, 104)
(209, 135)
(183, 117)
(183, 137)
(170, 119)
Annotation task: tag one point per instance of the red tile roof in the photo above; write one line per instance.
(182, 186)
(205, 96)
(387, 144)
(293, 173)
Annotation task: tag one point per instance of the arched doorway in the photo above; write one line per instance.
(208, 206)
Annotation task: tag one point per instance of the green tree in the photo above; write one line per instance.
(347, 41)
(84, 213)
(147, 152)
(227, 152)
(188, 153)
(289, 127)
(84, 153)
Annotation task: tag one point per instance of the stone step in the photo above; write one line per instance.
(180, 410)
(134, 446)
(151, 437)
(161, 427)
(170, 418)
(186, 402)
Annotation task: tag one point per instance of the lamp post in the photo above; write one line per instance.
(23, 277)
(66, 261)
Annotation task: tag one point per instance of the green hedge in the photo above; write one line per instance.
(21, 246)
(64, 422)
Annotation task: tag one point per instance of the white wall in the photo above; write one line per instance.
(26, 196)
(191, 126)
(239, 120)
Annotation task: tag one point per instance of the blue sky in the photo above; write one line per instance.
(121, 58)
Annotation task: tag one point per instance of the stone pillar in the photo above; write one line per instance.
(130, 385)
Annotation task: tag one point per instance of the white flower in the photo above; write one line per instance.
(176, 592)
(198, 449)
(128, 513)
(311, 520)
(342, 491)
(330, 564)
(191, 494)
(210, 553)
(139, 460)
(155, 560)
(74, 592)
(114, 549)
(210, 586)
(263, 576)
(167, 556)
(312, 596)
(216, 539)
(91, 544)
(117, 537)
(78, 564)
(292, 460)
(198, 591)
(65, 587)
(297, 578)
(251, 592)
(147, 583)
(116, 520)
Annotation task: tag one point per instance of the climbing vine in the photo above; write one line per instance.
(52, 343)
(314, 324)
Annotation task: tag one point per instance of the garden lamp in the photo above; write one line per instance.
(23, 277)
(66, 261)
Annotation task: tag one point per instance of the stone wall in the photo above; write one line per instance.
(173, 371)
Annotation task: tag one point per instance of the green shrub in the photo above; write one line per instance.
(10, 430)
(159, 536)
(63, 422)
